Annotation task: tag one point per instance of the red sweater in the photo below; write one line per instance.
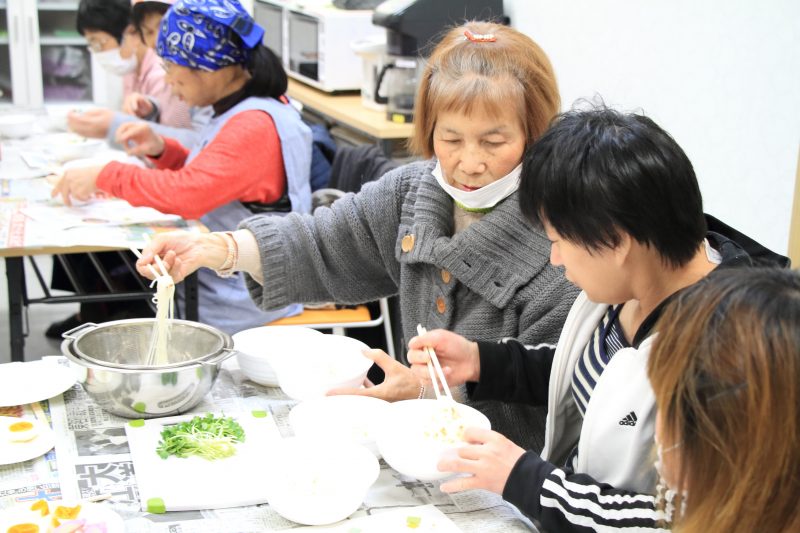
(243, 162)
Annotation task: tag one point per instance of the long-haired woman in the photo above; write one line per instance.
(726, 374)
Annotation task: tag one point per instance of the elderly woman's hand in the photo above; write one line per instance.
(92, 123)
(78, 184)
(140, 140)
(182, 253)
(489, 457)
(399, 382)
(459, 357)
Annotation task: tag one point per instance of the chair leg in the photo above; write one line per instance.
(387, 327)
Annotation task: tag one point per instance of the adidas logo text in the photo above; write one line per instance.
(629, 419)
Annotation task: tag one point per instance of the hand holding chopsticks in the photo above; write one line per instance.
(435, 370)
(138, 254)
(159, 262)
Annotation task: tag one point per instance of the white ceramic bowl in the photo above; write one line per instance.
(82, 150)
(347, 418)
(256, 347)
(65, 147)
(17, 125)
(318, 482)
(325, 363)
(415, 434)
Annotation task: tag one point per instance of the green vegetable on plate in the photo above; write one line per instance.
(206, 436)
(413, 522)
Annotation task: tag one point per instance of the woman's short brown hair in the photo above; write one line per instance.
(462, 74)
(725, 370)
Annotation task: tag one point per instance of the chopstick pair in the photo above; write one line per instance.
(433, 363)
(160, 263)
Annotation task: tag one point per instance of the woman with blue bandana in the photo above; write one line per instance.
(253, 157)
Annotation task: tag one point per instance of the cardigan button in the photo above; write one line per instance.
(446, 276)
(407, 244)
(440, 305)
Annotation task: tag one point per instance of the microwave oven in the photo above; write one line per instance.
(313, 40)
(269, 15)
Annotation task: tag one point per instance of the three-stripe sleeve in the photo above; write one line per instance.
(565, 502)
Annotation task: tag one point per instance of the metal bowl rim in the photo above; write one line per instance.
(66, 350)
(70, 345)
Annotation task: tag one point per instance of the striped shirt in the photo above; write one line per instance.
(606, 340)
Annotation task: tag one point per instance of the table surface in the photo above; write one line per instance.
(349, 110)
(92, 457)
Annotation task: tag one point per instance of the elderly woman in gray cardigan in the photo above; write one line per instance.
(446, 234)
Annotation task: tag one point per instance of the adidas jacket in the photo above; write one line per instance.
(614, 478)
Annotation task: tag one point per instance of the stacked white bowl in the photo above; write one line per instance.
(257, 347)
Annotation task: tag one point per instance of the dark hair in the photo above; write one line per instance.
(596, 173)
(142, 9)
(110, 16)
(267, 76)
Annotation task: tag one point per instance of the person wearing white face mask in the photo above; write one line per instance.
(119, 60)
(435, 232)
(118, 48)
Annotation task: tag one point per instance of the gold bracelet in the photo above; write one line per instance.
(227, 270)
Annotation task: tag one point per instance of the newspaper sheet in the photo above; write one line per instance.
(92, 458)
(30, 219)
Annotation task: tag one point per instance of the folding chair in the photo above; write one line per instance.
(339, 320)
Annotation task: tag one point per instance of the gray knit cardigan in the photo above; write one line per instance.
(501, 283)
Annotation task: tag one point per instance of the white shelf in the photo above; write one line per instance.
(57, 6)
(57, 41)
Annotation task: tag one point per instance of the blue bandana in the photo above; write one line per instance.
(199, 34)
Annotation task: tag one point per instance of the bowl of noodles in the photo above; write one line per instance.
(132, 372)
(416, 434)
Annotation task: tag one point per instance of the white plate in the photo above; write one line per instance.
(22, 383)
(231, 482)
(16, 452)
(93, 513)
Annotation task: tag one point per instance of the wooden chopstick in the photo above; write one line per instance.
(160, 264)
(437, 367)
(138, 254)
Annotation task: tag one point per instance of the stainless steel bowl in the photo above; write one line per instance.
(109, 357)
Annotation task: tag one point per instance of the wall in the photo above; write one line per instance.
(794, 235)
(723, 77)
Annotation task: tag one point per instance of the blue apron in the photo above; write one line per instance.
(225, 302)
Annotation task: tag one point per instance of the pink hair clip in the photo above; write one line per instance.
(480, 38)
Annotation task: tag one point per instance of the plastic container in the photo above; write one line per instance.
(373, 55)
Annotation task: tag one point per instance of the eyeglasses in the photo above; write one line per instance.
(96, 45)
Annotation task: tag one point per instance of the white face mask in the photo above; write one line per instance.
(113, 62)
(484, 198)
